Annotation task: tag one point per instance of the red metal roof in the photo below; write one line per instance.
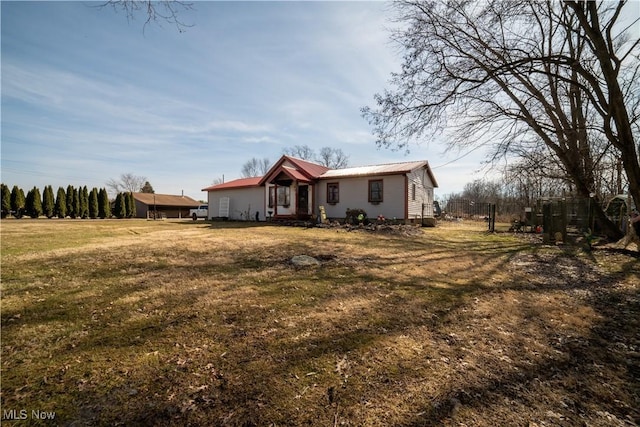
(253, 181)
(295, 174)
(305, 169)
(313, 170)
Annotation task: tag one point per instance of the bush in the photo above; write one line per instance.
(356, 216)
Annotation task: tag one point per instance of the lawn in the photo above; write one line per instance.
(133, 322)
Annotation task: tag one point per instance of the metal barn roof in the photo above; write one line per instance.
(384, 169)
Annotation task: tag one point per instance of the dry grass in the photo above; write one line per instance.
(162, 323)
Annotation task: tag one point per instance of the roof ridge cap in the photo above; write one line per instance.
(382, 164)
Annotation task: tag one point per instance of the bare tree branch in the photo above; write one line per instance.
(156, 12)
(255, 167)
(508, 72)
(128, 182)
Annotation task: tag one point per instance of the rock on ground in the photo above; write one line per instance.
(304, 261)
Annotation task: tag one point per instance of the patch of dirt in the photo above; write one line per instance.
(384, 229)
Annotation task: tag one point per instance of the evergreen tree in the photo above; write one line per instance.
(28, 203)
(17, 201)
(104, 209)
(107, 204)
(131, 206)
(37, 203)
(134, 211)
(70, 198)
(6, 201)
(120, 208)
(61, 203)
(93, 203)
(76, 202)
(84, 202)
(48, 201)
(33, 203)
(147, 188)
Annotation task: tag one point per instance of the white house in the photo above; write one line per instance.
(295, 188)
(239, 199)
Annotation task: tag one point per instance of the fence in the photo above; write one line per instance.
(470, 209)
(577, 211)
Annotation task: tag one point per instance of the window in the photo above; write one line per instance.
(272, 196)
(375, 191)
(333, 193)
(413, 191)
(283, 196)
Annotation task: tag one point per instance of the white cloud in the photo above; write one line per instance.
(249, 80)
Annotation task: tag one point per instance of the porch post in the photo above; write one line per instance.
(275, 200)
(294, 197)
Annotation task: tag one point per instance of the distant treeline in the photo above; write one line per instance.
(72, 202)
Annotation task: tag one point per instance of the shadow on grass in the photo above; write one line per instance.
(597, 375)
(251, 340)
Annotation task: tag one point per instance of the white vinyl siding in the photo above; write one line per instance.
(423, 195)
(354, 194)
(243, 203)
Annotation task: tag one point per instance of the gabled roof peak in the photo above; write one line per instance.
(306, 168)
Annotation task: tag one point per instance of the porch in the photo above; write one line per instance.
(290, 196)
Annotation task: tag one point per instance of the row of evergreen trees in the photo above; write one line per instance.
(74, 203)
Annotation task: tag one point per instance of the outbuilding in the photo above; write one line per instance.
(163, 205)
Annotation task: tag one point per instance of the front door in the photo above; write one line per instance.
(303, 200)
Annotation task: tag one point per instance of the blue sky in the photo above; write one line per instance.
(88, 95)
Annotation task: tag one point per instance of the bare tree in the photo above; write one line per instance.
(617, 99)
(152, 11)
(333, 158)
(217, 181)
(303, 152)
(513, 75)
(128, 182)
(255, 167)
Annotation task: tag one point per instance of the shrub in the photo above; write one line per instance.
(356, 216)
